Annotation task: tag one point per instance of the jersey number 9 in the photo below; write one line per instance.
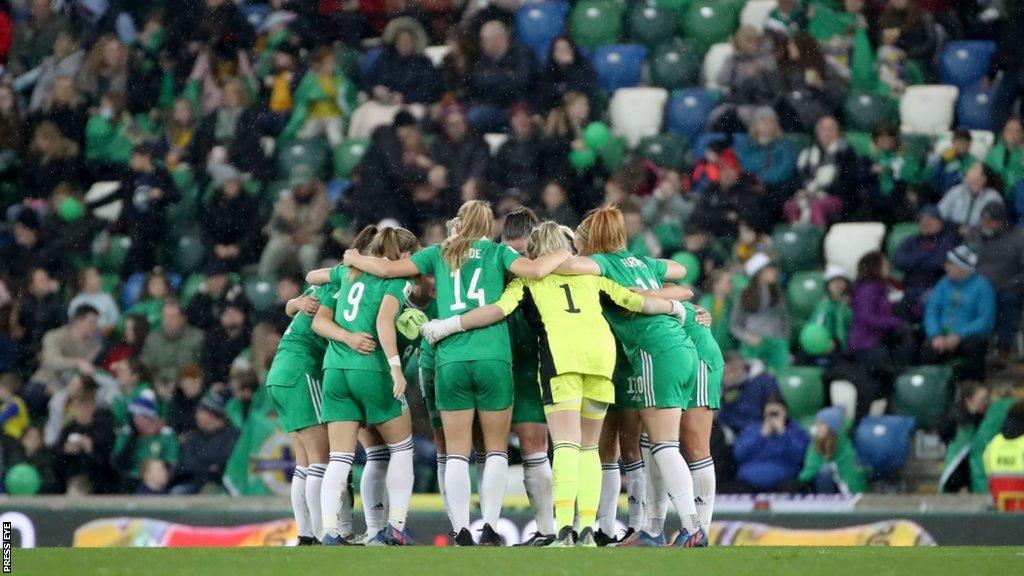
(355, 294)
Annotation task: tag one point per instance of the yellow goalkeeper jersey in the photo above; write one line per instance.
(565, 314)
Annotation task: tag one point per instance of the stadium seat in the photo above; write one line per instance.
(923, 392)
(652, 25)
(437, 54)
(964, 63)
(928, 108)
(863, 110)
(846, 243)
(843, 393)
(494, 141)
(897, 234)
(665, 150)
(619, 65)
(190, 288)
(368, 60)
(537, 25)
(348, 155)
(112, 259)
(804, 291)
(255, 13)
(261, 292)
(613, 155)
(688, 111)
(981, 142)
(132, 289)
(797, 247)
(974, 108)
(860, 142)
(596, 22)
(111, 284)
(802, 389)
(637, 112)
(189, 254)
(883, 443)
(675, 64)
(755, 12)
(708, 22)
(312, 152)
(700, 145)
(714, 61)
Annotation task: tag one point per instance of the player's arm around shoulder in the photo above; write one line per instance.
(579, 266)
(539, 267)
(634, 302)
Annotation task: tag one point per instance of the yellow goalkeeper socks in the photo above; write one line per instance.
(589, 494)
(565, 482)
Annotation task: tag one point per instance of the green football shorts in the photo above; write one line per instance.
(360, 396)
(481, 384)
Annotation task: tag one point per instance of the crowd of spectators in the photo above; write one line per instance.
(169, 169)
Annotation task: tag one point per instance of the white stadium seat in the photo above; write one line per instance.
(436, 54)
(981, 142)
(495, 140)
(928, 109)
(755, 12)
(845, 244)
(714, 60)
(637, 112)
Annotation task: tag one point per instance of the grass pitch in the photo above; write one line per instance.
(425, 561)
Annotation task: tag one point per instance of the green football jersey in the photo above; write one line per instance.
(652, 334)
(299, 338)
(480, 281)
(703, 339)
(426, 350)
(355, 305)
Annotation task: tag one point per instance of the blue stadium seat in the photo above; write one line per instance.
(883, 443)
(368, 60)
(974, 108)
(131, 289)
(688, 111)
(537, 25)
(256, 13)
(619, 65)
(700, 145)
(964, 63)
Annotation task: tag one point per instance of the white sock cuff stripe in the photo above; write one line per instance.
(664, 446)
(376, 452)
(401, 446)
(442, 458)
(702, 464)
(343, 457)
(299, 472)
(497, 455)
(608, 467)
(457, 458)
(535, 461)
(316, 473)
(630, 466)
(645, 441)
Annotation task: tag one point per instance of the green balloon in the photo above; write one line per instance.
(70, 209)
(815, 339)
(582, 159)
(692, 266)
(596, 135)
(22, 480)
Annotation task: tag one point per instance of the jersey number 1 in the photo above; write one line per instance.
(474, 292)
(572, 309)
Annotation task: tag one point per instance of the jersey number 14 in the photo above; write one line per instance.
(474, 292)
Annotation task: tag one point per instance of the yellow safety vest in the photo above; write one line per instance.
(1005, 457)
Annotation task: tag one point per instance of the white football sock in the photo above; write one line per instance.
(373, 489)
(636, 488)
(495, 481)
(441, 460)
(457, 485)
(537, 481)
(335, 482)
(703, 473)
(478, 470)
(655, 497)
(608, 507)
(399, 482)
(675, 476)
(314, 479)
(303, 524)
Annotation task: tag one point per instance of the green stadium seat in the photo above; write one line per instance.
(112, 259)
(864, 110)
(348, 156)
(613, 155)
(923, 392)
(798, 247)
(804, 291)
(860, 142)
(803, 390)
(652, 25)
(111, 284)
(708, 22)
(596, 22)
(666, 150)
(189, 254)
(261, 292)
(312, 152)
(917, 145)
(678, 6)
(897, 234)
(675, 64)
(190, 288)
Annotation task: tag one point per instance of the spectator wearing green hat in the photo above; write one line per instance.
(145, 438)
(830, 466)
(296, 225)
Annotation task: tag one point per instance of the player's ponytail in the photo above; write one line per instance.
(391, 243)
(546, 238)
(603, 231)
(475, 221)
(361, 244)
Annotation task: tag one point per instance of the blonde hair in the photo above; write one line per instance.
(603, 231)
(548, 237)
(391, 243)
(475, 222)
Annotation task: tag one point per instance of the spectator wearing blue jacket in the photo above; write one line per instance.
(764, 153)
(922, 258)
(743, 394)
(770, 454)
(960, 316)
